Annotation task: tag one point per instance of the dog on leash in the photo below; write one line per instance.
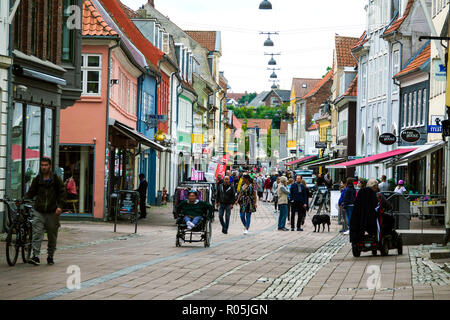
(321, 219)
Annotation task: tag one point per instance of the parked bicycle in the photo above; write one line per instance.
(20, 230)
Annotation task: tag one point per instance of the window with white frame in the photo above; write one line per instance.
(91, 71)
(380, 75)
(343, 123)
(396, 67)
(405, 110)
(419, 108)
(342, 84)
(166, 43)
(385, 74)
(424, 106)
(414, 106)
(364, 81)
(410, 109)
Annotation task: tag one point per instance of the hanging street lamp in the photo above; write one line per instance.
(268, 42)
(265, 5)
(272, 61)
(273, 75)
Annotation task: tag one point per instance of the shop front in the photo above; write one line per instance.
(32, 138)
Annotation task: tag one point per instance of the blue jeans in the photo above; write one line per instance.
(348, 212)
(245, 217)
(224, 209)
(195, 220)
(283, 215)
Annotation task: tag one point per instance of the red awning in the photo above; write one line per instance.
(299, 160)
(374, 158)
(16, 153)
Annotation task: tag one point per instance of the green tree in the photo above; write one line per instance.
(269, 142)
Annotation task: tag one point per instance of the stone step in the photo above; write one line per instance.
(440, 253)
(418, 237)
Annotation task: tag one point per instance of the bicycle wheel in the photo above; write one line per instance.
(27, 237)
(12, 246)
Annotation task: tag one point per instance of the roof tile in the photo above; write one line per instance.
(397, 23)
(417, 61)
(361, 41)
(320, 84)
(206, 39)
(344, 46)
(93, 22)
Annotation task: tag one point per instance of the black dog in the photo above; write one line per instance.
(321, 219)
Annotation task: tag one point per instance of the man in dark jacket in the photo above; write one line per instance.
(226, 195)
(50, 194)
(142, 196)
(299, 199)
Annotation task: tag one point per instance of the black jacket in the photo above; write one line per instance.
(349, 196)
(226, 195)
(364, 216)
(142, 189)
(50, 195)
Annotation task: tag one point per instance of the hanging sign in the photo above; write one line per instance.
(387, 139)
(410, 135)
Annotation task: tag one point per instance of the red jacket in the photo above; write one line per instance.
(267, 184)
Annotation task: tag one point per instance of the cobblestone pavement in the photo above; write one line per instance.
(265, 264)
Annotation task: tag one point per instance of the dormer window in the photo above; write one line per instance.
(304, 86)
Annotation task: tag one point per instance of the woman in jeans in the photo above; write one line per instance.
(283, 203)
(347, 201)
(247, 201)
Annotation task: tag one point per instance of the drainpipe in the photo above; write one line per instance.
(108, 93)
(8, 120)
(192, 131)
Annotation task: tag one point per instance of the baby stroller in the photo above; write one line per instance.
(202, 230)
(385, 239)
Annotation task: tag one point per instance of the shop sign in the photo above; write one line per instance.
(434, 129)
(128, 202)
(321, 145)
(197, 138)
(387, 138)
(292, 144)
(439, 71)
(410, 135)
(293, 151)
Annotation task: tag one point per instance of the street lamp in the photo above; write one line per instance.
(268, 42)
(273, 75)
(272, 61)
(265, 5)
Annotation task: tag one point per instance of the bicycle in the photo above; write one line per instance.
(20, 233)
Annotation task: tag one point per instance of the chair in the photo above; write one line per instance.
(74, 203)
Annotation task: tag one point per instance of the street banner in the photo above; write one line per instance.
(222, 166)
(197, 175)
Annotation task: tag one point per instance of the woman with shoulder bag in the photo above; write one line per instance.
(247, 201)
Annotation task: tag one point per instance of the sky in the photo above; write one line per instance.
(306, 35)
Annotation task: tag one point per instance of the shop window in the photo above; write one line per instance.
(410, 109)
(77, 162)
(91, 74)
(405, 110)
(424, 106)
(16, 151)
(420, 107)
(414, 106)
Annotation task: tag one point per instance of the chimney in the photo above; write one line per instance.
(152, 3)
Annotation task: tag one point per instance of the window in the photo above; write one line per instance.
(343, 123)
(91, 74)
(396, 67)
(424, 106)
(410, 109)
(33, 27)
(166, 43)
(405, 110)
(342, 84)
(128, 96)
(414, 107)
(385, 74)
(364, 81)
(380, 75)
(67, 34)
(419, 108)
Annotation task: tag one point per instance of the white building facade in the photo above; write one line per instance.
(390, 40)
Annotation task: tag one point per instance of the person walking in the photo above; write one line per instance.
(307, 201)
(290, 183)
(347, 201)
(383, 186)
(299, 200)
(226, 196)
(260, 186)
(50, 194)
(142, 189)
(247, 200)
(275, 187)
(267, 190)
(283, 203)
(342, 216)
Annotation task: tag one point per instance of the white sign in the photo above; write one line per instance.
(335, 195)
(436, 120)
(439, 71)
